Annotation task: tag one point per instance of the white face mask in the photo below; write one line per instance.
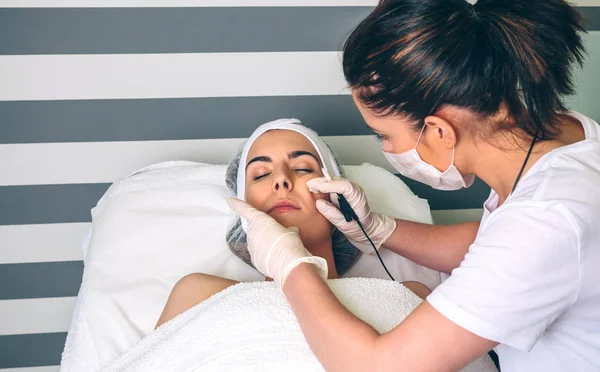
(410, 165)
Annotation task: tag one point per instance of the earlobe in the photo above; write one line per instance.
(444, 131)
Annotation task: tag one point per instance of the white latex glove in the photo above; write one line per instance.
(274, 250)
(379, 227)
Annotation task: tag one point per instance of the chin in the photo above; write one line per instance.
(285, 219)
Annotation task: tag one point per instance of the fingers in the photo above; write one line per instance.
(334, 215)
(322, 185)
(254, 216)
(243, 209)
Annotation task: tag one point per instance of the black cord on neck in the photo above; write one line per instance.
(533, 142)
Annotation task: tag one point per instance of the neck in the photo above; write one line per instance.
(322, 248)
(498, 164)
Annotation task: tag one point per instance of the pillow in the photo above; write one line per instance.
(168, 220)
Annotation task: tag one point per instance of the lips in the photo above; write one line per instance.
(283, 206)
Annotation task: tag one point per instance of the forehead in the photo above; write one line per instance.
(280, 141)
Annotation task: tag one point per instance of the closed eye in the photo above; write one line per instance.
(304, 170)
(261, 176)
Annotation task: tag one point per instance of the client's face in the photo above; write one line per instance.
(279, 164)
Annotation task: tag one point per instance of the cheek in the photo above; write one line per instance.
(319, 218)
(387, 146)
(320, 196)
(403, 142)
(402, 138)
(256, 195)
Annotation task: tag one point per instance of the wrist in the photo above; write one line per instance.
(390, 225)
(302, 270)
(316, 264)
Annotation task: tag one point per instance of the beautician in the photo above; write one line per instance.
(456, 90)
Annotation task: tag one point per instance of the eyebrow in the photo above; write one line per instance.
(292, 155)
(299, 153)
(259, 158)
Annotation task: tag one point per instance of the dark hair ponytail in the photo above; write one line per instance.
(412, 57)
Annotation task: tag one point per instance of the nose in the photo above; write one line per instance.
(282, 181)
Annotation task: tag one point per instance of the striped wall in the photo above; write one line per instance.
(91, 90)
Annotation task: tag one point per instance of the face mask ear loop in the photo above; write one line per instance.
(451, 160)
(420, 135)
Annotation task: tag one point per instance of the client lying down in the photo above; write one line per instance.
(278, 160)
(230, 326)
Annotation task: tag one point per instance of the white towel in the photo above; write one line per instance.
(251, 327)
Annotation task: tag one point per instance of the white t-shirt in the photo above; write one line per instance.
(531, 279)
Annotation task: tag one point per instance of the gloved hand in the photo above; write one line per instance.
(378, 226)
(274, 250)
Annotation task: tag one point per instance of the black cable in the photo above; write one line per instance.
(526, 160)
(350, 215)
(375, 249)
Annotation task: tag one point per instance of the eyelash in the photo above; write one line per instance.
(380, 138)
(261, 176)
(305, 170)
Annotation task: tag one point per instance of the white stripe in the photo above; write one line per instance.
(446, 217)
(42, 243)
(44, 315)
(97, 162)
(60, 77)
(32, 369)
(356, 150)
(62, 241)
(586, 2)
(176, 3)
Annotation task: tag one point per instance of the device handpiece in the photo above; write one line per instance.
(345, 207)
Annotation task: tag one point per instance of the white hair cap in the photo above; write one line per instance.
(326, 156)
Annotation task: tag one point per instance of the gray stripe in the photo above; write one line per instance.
(48, 203)
(35, 350)
(36, 204)
(184, 30)
(40, 280)
(175, 30)
(170, 119)
(62, 279)
(592, 17)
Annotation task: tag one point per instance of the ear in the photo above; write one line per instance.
(440, 131)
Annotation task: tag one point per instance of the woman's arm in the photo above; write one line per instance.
(190, 291)
(424, 341)
(438, 247)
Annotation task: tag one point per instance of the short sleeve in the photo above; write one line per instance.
(520, 274)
